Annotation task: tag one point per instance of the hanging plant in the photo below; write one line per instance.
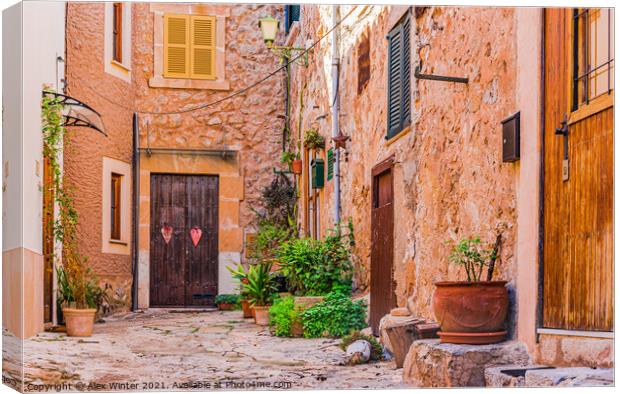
(313, 139)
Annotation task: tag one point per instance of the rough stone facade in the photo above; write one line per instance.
(449, 180)
(248, 125)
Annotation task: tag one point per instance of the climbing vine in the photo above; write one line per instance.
(79, 289)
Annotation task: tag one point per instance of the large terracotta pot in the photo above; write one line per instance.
(471, 312)
(79, 322)
(296, 167)
(245, 307)
(261, 315)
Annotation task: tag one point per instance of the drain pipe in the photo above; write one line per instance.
(135, 214)
(335, 111)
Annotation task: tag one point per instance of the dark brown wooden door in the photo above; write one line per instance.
(382, 298)
(578, 181)
(183, 274)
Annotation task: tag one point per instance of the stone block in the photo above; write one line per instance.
(430, 363)
(570, 377)
(389, 321)
(508, 375)
(398, 331)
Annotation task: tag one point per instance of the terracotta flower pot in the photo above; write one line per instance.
(79, 322)
(223, 306)
(245, 307)
(471, 312)
(261, 315)
(308, 301)
(297, 328)
(297, 167)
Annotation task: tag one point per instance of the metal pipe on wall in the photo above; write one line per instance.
(135, 173)
(335, 109)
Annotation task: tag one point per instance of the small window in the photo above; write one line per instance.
(399, 78)
(593, 54)
(117, 33)
(291, 14)
(363, 63)
(189, 46)
(115, 206)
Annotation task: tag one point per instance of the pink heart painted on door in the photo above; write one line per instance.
(195, 233)
(166, 232)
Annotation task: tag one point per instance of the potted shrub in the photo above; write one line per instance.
(226, 302)
(241, 276)
(260, 289)
(313, 139)
(472, 311)
(285, 318)
(293, 162)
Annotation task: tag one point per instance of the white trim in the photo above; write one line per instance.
(576, 333)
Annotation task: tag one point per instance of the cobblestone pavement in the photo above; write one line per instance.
(160, 349)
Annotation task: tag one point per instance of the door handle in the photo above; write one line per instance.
(563, 129)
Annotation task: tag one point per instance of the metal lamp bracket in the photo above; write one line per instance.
(441, 78)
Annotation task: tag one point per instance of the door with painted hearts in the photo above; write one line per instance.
(184, 240)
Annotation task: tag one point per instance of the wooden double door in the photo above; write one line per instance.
(578, 178)
(184, 240)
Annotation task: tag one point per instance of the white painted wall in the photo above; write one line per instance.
(12, 206)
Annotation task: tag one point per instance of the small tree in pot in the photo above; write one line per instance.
(260, 289)
(472, 311)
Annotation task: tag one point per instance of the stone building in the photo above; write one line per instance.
(423, 165)
(160, 62)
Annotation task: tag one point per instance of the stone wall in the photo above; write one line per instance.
(449, 181)
(248, 124)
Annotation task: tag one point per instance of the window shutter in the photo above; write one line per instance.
(202, 47)
(330, 164)
(176, 46)
(395, 54)
(399, 78)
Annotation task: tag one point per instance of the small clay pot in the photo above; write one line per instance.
(224, 306)
(79, 322)
(297, 167)
(261, 315)
(245, 307)
(471, 312)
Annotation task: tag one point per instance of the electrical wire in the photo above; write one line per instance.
(230, 96)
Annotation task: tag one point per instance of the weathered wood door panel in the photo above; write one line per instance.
(382, 298)
(578, 204)
(182, 274)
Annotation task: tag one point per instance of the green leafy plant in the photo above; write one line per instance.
(95, 295)
(287, 157)
(261, 285)
(79, 286)
(473, 257)
(376, 350)
(315, 267)
(283, 314)
(240, 274)
(268, 237)
(313, 139)
(335, 316)
(226, 299)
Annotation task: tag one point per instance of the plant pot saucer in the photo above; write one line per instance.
(472, 338)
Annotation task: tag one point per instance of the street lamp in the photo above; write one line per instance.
(269, 27)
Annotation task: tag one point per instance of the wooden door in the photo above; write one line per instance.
(48, 241)
(578, 176)
(181, 273)
(382, 298)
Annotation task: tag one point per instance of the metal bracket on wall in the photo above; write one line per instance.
(441, 78)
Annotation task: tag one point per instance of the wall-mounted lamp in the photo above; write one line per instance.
(269, 27)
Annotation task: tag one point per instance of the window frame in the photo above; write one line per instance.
(116, 182)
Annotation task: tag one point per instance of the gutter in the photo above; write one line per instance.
(135, 211)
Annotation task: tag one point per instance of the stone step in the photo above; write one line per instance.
(547, 376)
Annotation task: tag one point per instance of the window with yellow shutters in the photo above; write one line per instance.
(189, 46)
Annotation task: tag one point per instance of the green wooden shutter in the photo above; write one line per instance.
(399, 77)
(330, 164)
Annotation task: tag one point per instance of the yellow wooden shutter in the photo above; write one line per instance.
(202, 58)
(176, 46)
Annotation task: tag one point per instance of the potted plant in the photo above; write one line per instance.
(79, 297)
(472, 311)
(313, 139)
(260, 289)
(226, 302)
(240, 274)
